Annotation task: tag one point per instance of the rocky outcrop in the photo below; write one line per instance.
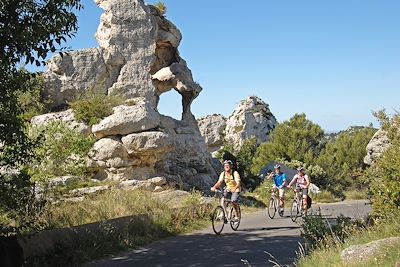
(137, 59)
(357, 254)
(379, 143)
(66, 116)
(212, 128)
(252, 118)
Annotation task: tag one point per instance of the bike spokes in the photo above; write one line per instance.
(271, 208)
(235, 218)
(218, 220)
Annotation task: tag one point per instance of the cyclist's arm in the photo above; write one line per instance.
(284, 181)
(293, 181)
(270, 175)
(219, 182)
(307, 180)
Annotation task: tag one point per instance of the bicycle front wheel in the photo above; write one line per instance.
(271, 208)
(218, 220)
(294, 210)
(235, 218)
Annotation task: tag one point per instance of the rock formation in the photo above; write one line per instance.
(137, 59)
(376, 146)
(212, 128)
(252, 118)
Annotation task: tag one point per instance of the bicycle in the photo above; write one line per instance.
(273, 205)
(297, 209)
(220, 218)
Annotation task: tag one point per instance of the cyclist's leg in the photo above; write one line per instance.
(274, 189)
(281, 198)
(225, 196)
(304, 192)
(234, 199)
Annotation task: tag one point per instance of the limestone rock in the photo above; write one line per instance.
(137, 59)
(66, 116)
(212, 128)
(110, 152)
(359, 253)
(128, 119)
(252, 118)
(89, 190)
(378, 144)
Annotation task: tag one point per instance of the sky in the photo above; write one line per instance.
(336, 61)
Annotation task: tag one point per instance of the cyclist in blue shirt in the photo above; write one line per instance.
(279, 184)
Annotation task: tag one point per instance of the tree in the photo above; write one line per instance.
(29, 30)
(343, 157)
(295, 139)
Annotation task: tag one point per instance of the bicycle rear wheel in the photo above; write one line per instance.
(294, 210)
(218, 220)
(235, 221)
(271, 208)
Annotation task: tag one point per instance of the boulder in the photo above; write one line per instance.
(212, 128)
(128, 119)
(361, 253)
(378, 144)
(66, 116)
(252, 118)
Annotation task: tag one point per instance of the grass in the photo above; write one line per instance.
(355, 194)
(150, 220)
(329, 254)
(323, 197)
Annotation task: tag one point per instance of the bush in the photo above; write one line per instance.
(93, 106)
(384, 176)
(319, 231)
(61, 151)
(32, 101)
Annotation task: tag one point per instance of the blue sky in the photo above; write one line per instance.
(336, 61)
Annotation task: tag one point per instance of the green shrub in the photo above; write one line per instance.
(61, 151)
(383, 177)
(32, 101)
(323, 197)
(319, 231)
(93, 106)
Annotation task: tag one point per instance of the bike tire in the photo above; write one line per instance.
(235, 224)
(271, 208)
(218, 220)
(294, 210)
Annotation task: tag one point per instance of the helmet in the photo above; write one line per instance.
(300, 169)
(277, 166)
(228, 162)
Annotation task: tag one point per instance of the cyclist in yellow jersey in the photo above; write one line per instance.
(232, 182)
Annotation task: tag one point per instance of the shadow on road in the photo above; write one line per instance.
(213, 250)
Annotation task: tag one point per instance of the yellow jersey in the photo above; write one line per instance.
(230, 180)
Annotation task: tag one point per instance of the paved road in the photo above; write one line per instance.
(256, 236)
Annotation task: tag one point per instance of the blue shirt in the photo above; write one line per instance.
(279, 179)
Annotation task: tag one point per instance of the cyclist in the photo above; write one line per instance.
(232, 182)
(302, 183)
(279, 183)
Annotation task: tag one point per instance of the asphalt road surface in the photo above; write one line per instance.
(259, 241)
